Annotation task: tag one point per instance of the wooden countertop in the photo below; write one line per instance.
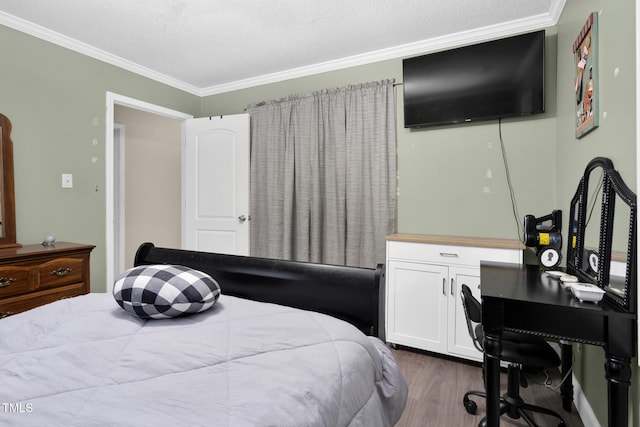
(39, 250)
(484, 242)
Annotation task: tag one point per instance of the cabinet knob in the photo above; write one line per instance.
(61, 272)
(6, 281)
(449, 254)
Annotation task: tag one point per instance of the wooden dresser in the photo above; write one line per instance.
(34, 275)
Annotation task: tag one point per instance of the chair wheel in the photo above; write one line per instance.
(470, 406)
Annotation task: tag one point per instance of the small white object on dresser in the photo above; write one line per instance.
(424, 276)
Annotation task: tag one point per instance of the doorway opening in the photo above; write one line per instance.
(115, 238)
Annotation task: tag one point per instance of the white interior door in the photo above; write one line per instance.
(216, 191)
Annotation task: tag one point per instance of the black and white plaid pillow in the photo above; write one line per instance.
(163, 291)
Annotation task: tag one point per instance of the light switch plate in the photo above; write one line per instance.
(67, 180)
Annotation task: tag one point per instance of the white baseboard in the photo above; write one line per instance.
(582, 405)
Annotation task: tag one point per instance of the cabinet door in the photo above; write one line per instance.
(417, 305)
(459, 342)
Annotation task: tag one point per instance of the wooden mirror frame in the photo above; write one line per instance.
(7, 195)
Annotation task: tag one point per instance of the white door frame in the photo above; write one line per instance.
(112, 219)
(119, 195)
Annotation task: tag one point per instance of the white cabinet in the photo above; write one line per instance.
(424, 276)
(416, 312)
(459, 342)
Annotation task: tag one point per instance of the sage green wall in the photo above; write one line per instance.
(451, 179)
(56, 100)
(615, 138)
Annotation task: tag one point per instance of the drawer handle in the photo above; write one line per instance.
(61, 272)
(449, 254)
(6, 281)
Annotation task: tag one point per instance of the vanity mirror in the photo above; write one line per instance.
(602, 233)
(7, 195)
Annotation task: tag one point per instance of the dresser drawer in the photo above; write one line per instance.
(42, 274)
(60, 271)
(14, 280)
(450, 254)
(18, 303)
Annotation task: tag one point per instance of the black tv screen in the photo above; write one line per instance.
(496, 79)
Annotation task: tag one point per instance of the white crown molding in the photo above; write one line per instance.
(556, 10)
(56, 38)
(422, 47)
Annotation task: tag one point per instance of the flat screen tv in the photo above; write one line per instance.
(495, 79)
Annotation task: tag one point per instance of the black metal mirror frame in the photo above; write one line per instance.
(613, 187)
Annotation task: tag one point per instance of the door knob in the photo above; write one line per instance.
(242, 218)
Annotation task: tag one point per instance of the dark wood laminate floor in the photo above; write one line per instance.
(437, 385)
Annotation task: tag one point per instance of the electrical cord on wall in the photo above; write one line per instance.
(548, 382)
(514, 205)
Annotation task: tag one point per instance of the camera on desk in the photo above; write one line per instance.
(544, 234)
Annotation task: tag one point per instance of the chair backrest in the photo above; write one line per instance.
(473, 314)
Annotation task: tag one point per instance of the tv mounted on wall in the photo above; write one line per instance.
(495, 79)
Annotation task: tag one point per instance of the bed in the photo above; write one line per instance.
(284, 344)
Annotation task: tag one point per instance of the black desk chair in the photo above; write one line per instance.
(518, 350)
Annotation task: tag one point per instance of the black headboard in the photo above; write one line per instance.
(353, 294)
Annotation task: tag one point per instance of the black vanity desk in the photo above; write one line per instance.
(521, 298)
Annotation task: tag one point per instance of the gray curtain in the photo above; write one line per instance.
(323, 175)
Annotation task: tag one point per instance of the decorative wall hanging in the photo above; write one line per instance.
(585, 51)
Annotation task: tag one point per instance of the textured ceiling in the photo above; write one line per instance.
(209, 45)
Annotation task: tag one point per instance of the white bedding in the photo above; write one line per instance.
(86, 362)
